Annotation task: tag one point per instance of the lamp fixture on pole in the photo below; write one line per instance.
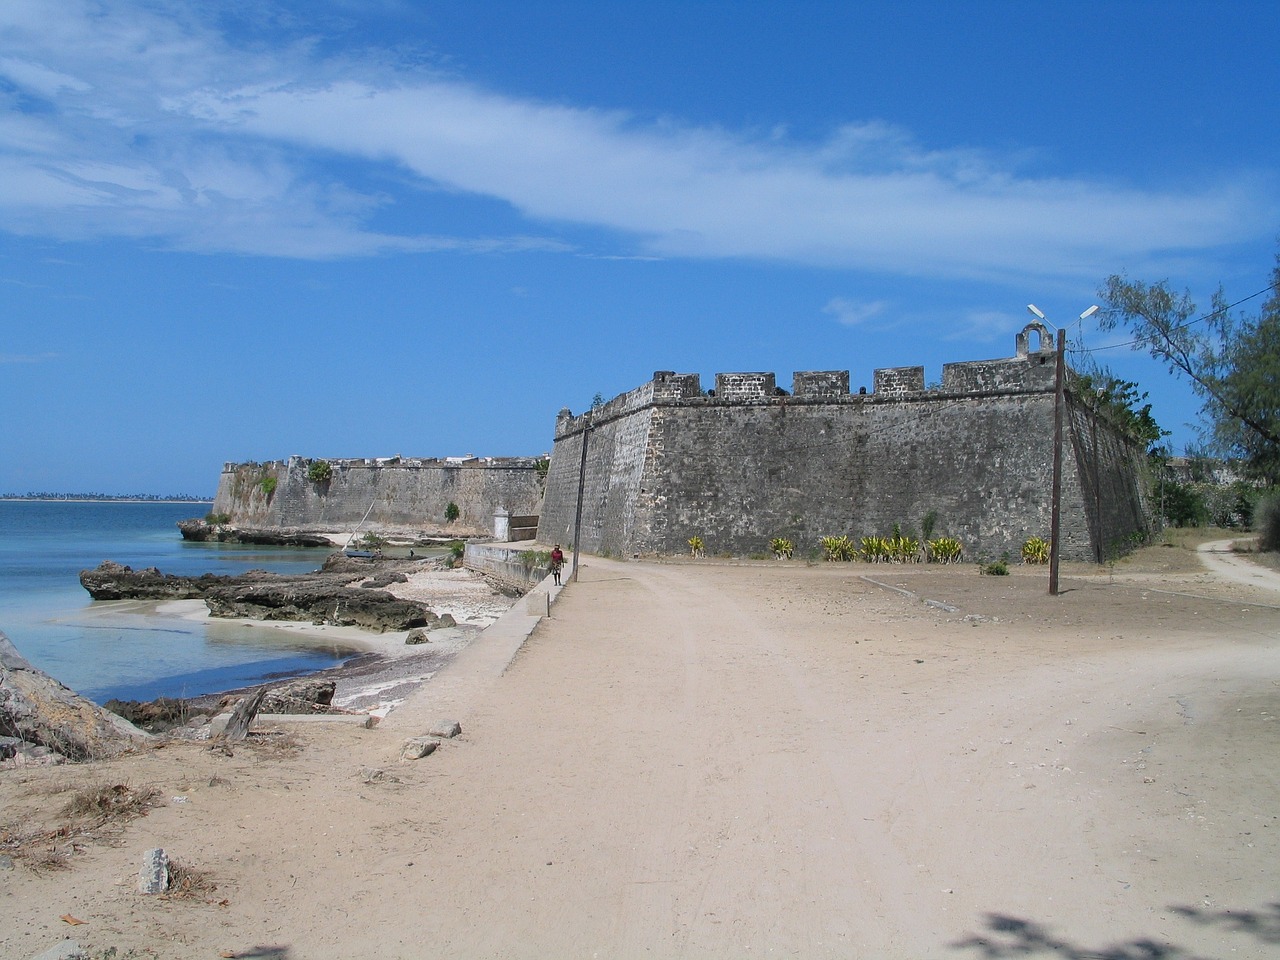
(1059, 404)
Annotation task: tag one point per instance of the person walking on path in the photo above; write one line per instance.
(557, 561)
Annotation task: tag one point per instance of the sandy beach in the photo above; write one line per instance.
(386, 669)
(724, 759)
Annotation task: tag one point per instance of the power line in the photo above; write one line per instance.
(1208, 316)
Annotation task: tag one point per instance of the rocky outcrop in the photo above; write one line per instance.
(306, 696)
(318, 602)
(115, 581)
(41, 718)
(155, 716)
(202, 531)
(327, 596)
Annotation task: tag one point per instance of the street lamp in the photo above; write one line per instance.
(1039, 314)
(1059, 402)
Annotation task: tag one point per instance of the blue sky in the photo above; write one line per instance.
(245, 230)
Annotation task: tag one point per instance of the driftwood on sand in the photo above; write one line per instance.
(38, 711)
(238, 726)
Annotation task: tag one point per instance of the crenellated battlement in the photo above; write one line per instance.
(748, 460)
(1028, 371)
(469, 461)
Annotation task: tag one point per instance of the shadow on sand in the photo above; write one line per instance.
(1015, 937)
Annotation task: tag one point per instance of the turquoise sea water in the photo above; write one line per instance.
(124, 649)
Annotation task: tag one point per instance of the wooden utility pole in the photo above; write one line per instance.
(1059, 402)
(582, 483)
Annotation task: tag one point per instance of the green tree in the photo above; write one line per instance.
(1231, 360)
(1120, 399)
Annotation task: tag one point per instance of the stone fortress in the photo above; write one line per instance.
(389, 494)
(748, 461)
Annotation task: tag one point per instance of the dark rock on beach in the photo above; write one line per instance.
(115, 581)
(202, 531)
(318, 602)
(155, 716)
(327, 596)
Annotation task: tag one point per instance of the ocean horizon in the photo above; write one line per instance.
(125, 649)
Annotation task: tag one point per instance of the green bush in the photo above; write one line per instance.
(944, 550)
(217, 519)
(903, 548)
(997, 568)
(320, 471)
(837, 548)
(532, 559)
(1183, 504)
(373, 541)
(268, 485)
(1035, 550)
(928, 524)
(457, 548)
(1230, 506)
(874, 549)
(451, 512)
(696, 546)
(782, 548)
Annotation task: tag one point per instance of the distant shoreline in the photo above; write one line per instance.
(75, 499)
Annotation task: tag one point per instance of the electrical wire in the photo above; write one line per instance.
(1208, 316)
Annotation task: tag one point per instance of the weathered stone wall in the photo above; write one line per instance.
(667, 462)
(399, 493)
(1113, 483)
(614, 507)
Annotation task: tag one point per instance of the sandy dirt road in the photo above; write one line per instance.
(1218, 556)
(750, 760)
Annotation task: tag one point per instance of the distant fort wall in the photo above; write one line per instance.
(746, 462)
(395, 493)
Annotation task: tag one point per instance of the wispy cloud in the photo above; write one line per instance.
(27, 358)
(852, 313)
(984, 326)
(189, 140)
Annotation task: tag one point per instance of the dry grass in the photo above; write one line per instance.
(1173, 550)
(186, 882)
(115, 803)
(273, 744)
(90, 815)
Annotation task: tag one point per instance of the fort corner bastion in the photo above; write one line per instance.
(747, 461)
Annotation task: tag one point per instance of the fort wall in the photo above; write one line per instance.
(746, 462)
(395, 493)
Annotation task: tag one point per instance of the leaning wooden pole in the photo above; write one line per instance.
(1059, 402)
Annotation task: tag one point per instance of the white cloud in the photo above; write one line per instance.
(40, 79)
(985, 326)
(852, 313)
(188, 139)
